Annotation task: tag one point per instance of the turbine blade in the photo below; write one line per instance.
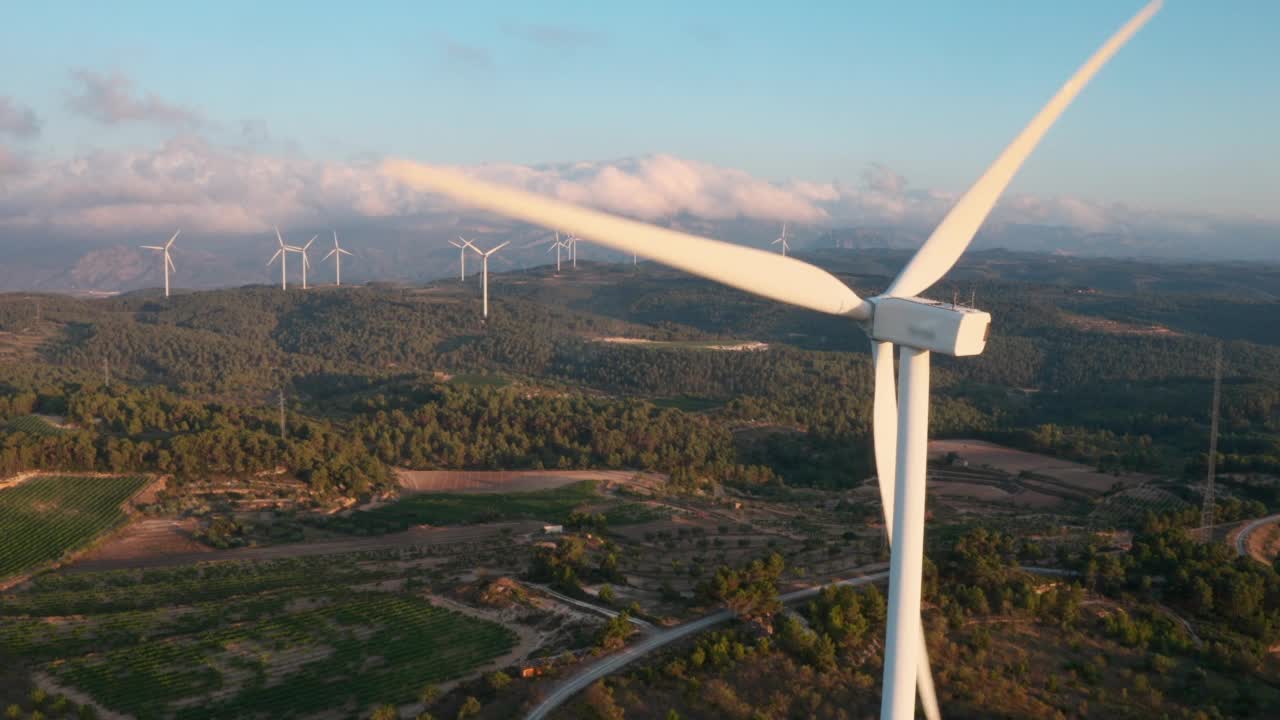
(169, 261)
(494, 250)
(335, 238)
(313, 239)
(151, 247)
(279, 238)
(756, 271)
(175, 237)
(273, 257)
(457, 245)
(953, 235)
(329, 254)
(344, 251)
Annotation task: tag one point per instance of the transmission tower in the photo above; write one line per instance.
(282, 430)
(1206, 512)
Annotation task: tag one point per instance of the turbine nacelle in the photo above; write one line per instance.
(929, 325)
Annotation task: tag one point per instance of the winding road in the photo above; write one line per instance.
(1242, 537)
(611, 664)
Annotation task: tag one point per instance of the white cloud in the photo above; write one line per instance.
(109, 99)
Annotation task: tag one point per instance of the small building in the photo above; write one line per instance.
(552, 529)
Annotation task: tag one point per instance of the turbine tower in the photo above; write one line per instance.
(336, 253)
(897, 317)
(283, 254)
(306, 262)
(484, 272)
(1206, 511)
(166, 261)
(783, 239)
(462, 246)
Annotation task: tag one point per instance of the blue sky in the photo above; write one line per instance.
(1185, 117)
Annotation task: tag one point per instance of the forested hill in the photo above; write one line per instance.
(1107, 361)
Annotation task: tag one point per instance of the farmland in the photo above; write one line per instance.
(33, 425)
(457, 509)
(46, 517)
(232, 639)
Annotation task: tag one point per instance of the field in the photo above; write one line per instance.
(285, 638)
(1070, 474)
(33, 425)
(46, 517)
(458, 509)
(500, 481)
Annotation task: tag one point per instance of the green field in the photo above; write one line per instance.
(480, 380)
(33, 425)
(46, 517)
(461, 509)
(285, 638)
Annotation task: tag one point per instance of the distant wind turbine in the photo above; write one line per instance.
(573, 250)
(557, 246)
(283, 254)
(167, 262)
(783, 239)
(462, 246)
(336, 253)
(306, 262)
(484, 271)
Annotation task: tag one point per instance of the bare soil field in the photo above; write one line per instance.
(161, 553)
(979, 453)
(506, 481)
(1264, 543)
(146, 539)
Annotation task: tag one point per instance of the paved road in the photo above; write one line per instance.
(599, 610)
(1242, 537)
(612, 663)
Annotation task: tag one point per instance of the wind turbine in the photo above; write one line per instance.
(484, 271)
(572, 243)
(283, 254)
(897, 317)
(557, 246)
(167, 263)
(336, 253)
(462, 246)
(783, 239)
(306, 263)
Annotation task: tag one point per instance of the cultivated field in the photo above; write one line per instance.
(1073, 475)
(301, 637)
(46, 517)
(505, 481)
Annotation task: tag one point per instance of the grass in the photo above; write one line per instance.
(33, 425)
(687, 403)
(635, 513)
(479, 380)
(460, 509)
(46, 517)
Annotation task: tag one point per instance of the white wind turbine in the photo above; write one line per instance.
(306, 262)
(897, 317)
(167, 262)
(572, 243)
(462, 246)
(484, 271)
(336, 253)
(557, 246)
(783, 239)
(283, 254)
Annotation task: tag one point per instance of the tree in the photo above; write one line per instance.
(13, 712)
(470, 708)
(385, 712)
(600, 703)
(429, 694)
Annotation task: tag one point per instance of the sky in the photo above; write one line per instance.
(1181, 123)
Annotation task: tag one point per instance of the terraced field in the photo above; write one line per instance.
(46, 517)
